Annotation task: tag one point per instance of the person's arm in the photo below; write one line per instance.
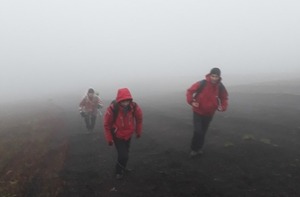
(223, 99)
(108, 123)
(139, 121)
(99, 103)
(81, 106)
(190, 93)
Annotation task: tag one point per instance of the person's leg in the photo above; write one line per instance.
(205, 124)
(93, 121)
(127, 152)
(122, 147)
(87, 121)
(198, 133)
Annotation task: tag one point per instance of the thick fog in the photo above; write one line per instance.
(58, 47)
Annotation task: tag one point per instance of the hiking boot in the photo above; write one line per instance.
(193, 153)
(196, 153)
(127, 170)
(119, 176)
(200, 152)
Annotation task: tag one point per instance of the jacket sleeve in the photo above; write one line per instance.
(81, 104)
(224, 99)
(99, 102)
(138, 120)
(108, 123)
(191, 91)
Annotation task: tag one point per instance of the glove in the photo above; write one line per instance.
(82, 114)
(110, 143)
(99, 106)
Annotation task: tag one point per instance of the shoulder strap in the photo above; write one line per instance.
(202, 84)
(115, 109)
(221, 88)
(134, 106)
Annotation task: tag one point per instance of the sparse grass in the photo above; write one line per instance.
(29, 165)
(228, 144)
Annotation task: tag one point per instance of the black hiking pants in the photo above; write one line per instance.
(90, 120)
(122, 147)
(201, 124)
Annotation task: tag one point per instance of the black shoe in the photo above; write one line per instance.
(127, 170)
(196, 153)
(119, 176)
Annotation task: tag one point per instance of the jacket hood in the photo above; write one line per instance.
(123, 94)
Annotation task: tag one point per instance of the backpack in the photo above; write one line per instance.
(115, 109)
(202, 85)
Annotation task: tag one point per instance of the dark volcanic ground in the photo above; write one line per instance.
(251, 150)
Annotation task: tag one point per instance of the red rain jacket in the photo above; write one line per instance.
(124, 125)
(208, 97)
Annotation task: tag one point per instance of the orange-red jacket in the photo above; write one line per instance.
(126, 123)
(208, 97)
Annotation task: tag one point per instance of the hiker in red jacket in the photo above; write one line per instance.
(122, 119)
(205, 97)
(89, 107)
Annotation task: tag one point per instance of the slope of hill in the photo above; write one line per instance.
(250, 150)
(278, 87)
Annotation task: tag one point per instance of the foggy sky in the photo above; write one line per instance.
(55, 46)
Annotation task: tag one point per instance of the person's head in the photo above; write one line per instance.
(124, 97)
(125, 103)
(215, 74)
(91, 92)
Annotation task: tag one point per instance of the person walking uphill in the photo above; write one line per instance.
(205, 97)
(89, 107)
(122, 119)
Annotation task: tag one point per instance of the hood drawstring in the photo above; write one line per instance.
(126, 109)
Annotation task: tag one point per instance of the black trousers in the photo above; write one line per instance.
(122, 147)
(90, 121)
(201, 124)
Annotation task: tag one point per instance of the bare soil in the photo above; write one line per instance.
(251, 150)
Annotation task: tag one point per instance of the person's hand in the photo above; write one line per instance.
(220, 108)
(99, 106)
(110, 143)
(195, 104)
(82, 114)
(138, 136)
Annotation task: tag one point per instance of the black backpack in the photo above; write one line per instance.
(115, 109)
(202, 85)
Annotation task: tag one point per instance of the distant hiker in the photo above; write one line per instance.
(205, 97)
(89, 107)
(122, 119)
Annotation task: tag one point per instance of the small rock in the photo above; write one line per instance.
(248, 137)
(113, 189)
(266, 141)
(9, 172)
